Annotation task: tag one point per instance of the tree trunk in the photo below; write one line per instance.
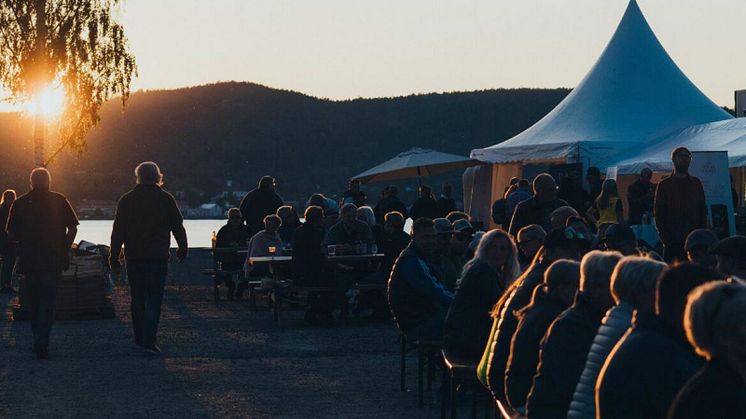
(41, 62)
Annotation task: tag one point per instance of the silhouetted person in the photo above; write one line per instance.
(529, 240)
(7, 249)
(679, 206)
(259, 203)
(416, 299)
(390, 202)
(146, 217)
(537, 210)
(445, 201)
(394, 240)
(425, 206)
(714, 327)
(653, 360)
(595, 182)
(734, 193)
(520, 194)
(731, 256)
(349, 231)
(607, 206)
(566, 344)
(699, 246)
(641, 196)
(290, 222)
(353, 195)
(44, 225)
(233, 234)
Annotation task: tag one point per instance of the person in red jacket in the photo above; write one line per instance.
(680, 206)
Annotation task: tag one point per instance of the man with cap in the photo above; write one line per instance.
(699, 245)
(731, 254)
(621, 238)
(679, 206)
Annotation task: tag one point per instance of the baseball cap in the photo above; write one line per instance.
(618, 233)
(734, 246)
(701, 237)
(443, 226)
(565, 236)
(462, 226)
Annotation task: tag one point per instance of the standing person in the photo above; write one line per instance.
(44, 225)
(522, 193)
(259, 203)
(680, 206)
(640, 196)
(425, 206)
(537, 210)
(146, 217)
(595, 182)
(607, 205)
(233, 234)
(353, 195)
(389, 203)
(7, 250)
(446, 203)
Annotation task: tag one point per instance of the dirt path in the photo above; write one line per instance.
(221, 360)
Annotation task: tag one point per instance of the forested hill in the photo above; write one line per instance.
(202, 136)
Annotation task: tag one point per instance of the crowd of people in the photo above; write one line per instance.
(563, 311)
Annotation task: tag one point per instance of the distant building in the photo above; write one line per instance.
(210, 210)
(96, 208)
(740, 103)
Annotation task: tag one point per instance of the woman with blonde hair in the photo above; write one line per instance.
(607, 205)
(483, 281)
(714, 323)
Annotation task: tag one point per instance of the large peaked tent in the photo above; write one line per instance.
(633, 95)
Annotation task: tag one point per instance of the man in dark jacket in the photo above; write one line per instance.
(146, 216)
(349, 231)
(233, 234)
(395, 240)
(44, 225)
(537, 210)
(259, 203)
(680, 206)
(445, 201)
(560, 243)
(353, 195)
(565, 346)
(653, 361)
(389, 202)
(425, 206)
(416, 299)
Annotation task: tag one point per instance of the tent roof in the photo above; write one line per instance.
(415, 163)
(729, 135)
(634, 93)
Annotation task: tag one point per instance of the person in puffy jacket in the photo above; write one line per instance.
(714, 326)
(566, 343)
(560, 243)
(633, 288)
(653, 361)
(484, 280)
(549, 300)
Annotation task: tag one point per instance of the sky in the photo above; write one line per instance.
(343, 49)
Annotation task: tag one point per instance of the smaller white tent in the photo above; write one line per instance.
(728, 135)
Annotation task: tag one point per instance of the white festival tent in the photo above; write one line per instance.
(632, 96)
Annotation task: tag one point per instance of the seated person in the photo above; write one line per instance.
(366, 215)
(454, 216)
(233, 234)
(309, 267)
(529, 241)
(554, 295)
(559, 217)
(699, 245)
(485, 279)
(290, 222)
(621, 238)
(395, 240)
(416, 299)
(267, 242)
(349, 231)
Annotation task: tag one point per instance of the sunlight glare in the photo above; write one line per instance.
(49, 102)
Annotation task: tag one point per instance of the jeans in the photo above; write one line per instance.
(147, 279)
(41, 290)
(6, 273)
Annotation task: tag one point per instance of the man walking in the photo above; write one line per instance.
(44, 225)
(145, 218)
(680, 206)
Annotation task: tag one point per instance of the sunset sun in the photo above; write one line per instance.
(48, 102)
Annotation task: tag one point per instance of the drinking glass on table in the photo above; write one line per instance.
(272, 250)
(331, 250)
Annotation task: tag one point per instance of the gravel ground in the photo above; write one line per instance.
(221, 360)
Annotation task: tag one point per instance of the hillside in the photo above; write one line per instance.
(202, 136)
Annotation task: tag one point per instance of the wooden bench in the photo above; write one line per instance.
(286, 288)
(463, 373)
